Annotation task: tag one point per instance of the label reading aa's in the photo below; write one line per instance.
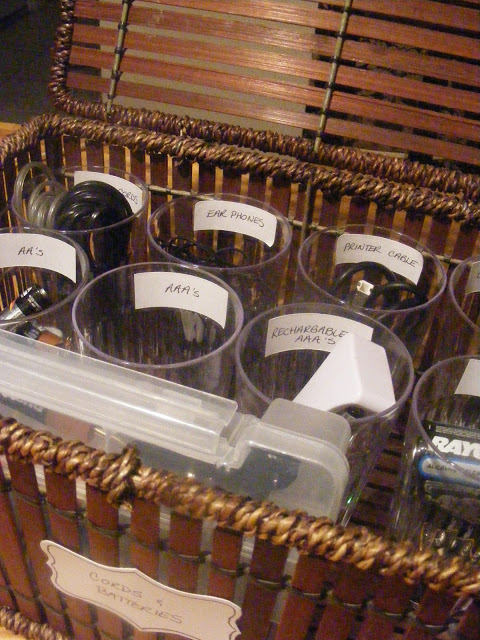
(38, 250)
(473, 282)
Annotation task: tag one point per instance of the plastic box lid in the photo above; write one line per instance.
(177, 428)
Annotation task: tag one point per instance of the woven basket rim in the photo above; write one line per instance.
(123, 478)
(312, 150)
(333, 182)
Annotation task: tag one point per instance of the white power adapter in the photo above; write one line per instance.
(356, 372)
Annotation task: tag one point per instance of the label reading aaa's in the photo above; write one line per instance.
(181, 291)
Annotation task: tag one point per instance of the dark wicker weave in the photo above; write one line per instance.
(389, 195)
(392, 76)
(345, 584)
(385, 575)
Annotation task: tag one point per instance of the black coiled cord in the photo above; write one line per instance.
(89, 206)
(393, 295)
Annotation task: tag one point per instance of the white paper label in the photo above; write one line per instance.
(38, 250)
(181, 291)
(396, 256)
(141, 601)
(473, 282)
(316, 331)
(237, 217)
(132, 193)
(469, 384)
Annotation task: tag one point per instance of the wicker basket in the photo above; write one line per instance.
(346, 583)
(294, 576)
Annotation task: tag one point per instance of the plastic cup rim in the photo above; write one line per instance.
(321, 307)
(373, 312)
(145, 367)
(211, 196)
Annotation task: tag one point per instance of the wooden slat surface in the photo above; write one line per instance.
(413, 36)
(421, 11)
(408, 76)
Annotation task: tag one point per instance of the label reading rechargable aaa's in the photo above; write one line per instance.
(145, 603)
(316, 331)
(181, 291)
(473, 282)
(38, 250)
(224, 215)
(396, 256)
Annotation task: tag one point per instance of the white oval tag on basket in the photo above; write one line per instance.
(224, 215)
(396, 256)
(146, 604)
(181, 291)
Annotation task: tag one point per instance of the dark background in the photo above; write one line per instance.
(26, 39)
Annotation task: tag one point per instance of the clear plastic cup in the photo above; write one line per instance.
(41, 273)
(330, 270)
(241, 240)
(168, 320)
(437, 500)
(109, 240)
(460, 328)
(267, 367)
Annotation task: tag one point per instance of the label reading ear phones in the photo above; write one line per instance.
(396, 256)
(469, 384)
(181, 291)
(38, 250)
(316, 331)
(473, 282)
(238, 217)
(132, 193)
